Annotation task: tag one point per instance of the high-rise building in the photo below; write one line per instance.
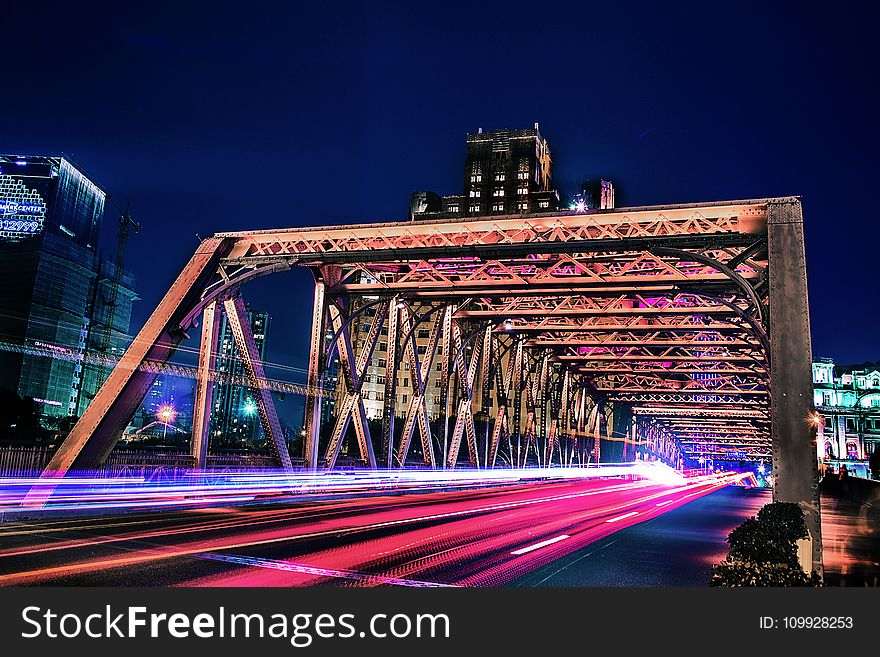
(505, 172)
(54, 294)
(595, 194)
(235, 419)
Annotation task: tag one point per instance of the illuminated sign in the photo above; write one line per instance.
(15, 207)
(22, 210)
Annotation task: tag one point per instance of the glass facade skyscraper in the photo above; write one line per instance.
(54, 291)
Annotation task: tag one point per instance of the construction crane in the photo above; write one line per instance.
(102, 341)
(126, 224)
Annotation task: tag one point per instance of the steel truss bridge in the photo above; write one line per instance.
(683, 329)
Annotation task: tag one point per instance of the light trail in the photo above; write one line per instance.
(538, 546)
(460, 536)
(623, 517)
(287, 566)
(94, 493)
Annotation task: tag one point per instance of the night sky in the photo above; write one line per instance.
(307, 114)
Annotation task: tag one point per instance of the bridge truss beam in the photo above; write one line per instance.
(552, 331)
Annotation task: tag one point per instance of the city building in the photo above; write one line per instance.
(594, 195)
(168, 404)
(848, 402)
(235, 420)
(58, 321)
(505, 172)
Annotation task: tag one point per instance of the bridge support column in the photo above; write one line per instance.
(204, 396)
(795, 468)
(312, 407)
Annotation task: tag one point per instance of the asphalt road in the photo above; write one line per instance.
(536, 534)
(675, 549)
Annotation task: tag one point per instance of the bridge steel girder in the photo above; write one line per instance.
(204, 394)
(632, 304)
(312, 406)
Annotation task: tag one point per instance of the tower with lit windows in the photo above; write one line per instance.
(505, 172)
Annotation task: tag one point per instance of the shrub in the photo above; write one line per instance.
(785, 519)
(763, 550)
(756, 542)
(747, 573)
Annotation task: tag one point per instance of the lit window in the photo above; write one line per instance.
(497, 207)
(543, 204)
(475, 193)
(522, 175)
(499, 176)
(523, 206)
(522, 190)
(475, 209)
(453, 208)
(498, 192)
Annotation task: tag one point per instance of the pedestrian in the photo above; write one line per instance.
(845, 489)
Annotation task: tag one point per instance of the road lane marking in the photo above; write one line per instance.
(624, 516)
(537, 546)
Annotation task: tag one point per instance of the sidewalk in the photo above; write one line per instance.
(851, 533)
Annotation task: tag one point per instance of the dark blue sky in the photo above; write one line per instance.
(319, 113)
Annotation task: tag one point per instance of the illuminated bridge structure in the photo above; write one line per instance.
(683, 329)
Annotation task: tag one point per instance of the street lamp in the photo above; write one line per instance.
(166, 414)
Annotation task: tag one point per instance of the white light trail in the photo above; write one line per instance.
(624, 516)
